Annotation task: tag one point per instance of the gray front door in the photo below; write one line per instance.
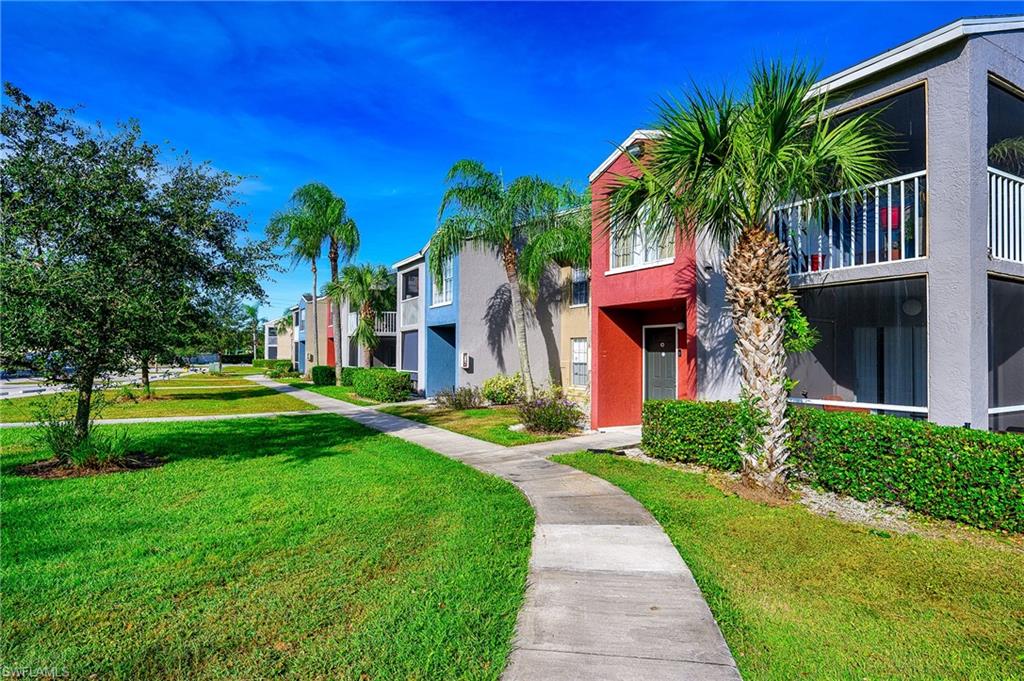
(660, 363)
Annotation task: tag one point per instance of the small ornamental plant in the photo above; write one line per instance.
(502, 389)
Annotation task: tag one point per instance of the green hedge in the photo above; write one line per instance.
(383, 385)
(262, 363)
(278, 365)
(348, 374)
(322, 375)
(971, 476)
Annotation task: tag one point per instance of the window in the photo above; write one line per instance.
(1005, 354)
(580, 287)
(580, 348)
(873, 346)
(442, 294)
(410, 284)
(1005, 130)
(903, 117)
(652, 240)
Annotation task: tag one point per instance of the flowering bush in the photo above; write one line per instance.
(550, 415)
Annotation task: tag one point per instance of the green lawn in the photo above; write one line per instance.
(345, 393)
(181, 399)
(802, 596)
(242, 370)
(490, 424)
(305, 547)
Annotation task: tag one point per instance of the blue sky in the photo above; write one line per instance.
(377, 100)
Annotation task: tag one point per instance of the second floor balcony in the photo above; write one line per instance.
(1005, 215)
(883, 222)
(386, 323)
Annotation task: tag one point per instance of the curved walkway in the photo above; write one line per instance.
(608, 596)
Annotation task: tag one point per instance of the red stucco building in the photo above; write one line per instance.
(644, 309)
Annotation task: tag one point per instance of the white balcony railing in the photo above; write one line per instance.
(410, 311)
(878, 223)
(1005, 215)
(386, 322)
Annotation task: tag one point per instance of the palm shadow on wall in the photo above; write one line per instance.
(498, 321)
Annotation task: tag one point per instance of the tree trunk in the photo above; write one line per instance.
(335, 312)
(84, 407)
(368, 318)
(145, 373)
(757, 275)
(316, 326)
(254, 343)
(518, 319)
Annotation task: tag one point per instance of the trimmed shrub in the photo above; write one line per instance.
(705, 433)
(550, 415)
(262, 363)
(348, 374)
(970, 476)
(466, 397)
(323, 375)
(382, 384)
(502, 389)
(278, 373)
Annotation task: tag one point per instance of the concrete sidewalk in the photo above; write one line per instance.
(608, 596)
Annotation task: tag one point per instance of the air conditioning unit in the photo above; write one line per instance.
(465, 360)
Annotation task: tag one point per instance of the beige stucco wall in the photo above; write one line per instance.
(285, 344)
(575, 323)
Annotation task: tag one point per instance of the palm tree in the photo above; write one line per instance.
(370, 290)
(342, 244)
(316, 215)
(479, 208)
(253, 321)
(720, 166)
(566, 244)
(285, 323)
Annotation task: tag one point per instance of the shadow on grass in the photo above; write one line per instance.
(227, 395)
(296, 438)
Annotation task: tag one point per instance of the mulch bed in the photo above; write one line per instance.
(55, 469)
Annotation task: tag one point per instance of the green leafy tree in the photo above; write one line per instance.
(719, 166)
(370, 289)
(480, 209)
(99, 248)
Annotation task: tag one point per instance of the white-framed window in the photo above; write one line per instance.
(650, 241)
(580, 287)
(442, 293)
(580, 350)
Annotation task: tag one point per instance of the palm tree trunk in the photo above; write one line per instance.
(756, 275)
(335, 312)
(518, 318)
(368, 319)
(316, 326)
